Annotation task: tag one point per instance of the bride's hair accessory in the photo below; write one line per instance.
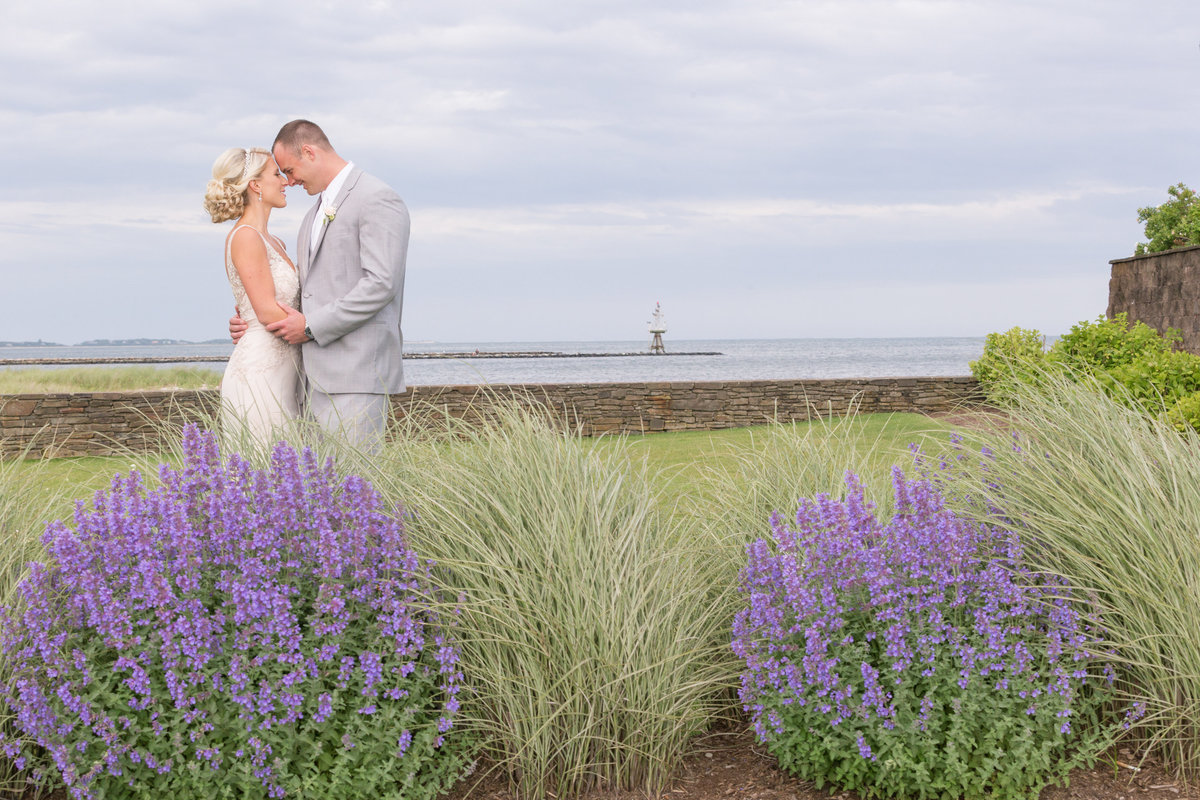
(246, 162)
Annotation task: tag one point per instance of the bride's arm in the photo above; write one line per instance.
(249, 254)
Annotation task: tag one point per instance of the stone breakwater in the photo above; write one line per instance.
(99, 423)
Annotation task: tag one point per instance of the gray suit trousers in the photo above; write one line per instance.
(360, 419)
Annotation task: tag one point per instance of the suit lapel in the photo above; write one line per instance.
(304, 241)
(343, 193)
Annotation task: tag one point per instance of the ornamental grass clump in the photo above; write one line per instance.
(28, 498)
(914, 658)
(1110, 498)
(588, 630)
(234, 633)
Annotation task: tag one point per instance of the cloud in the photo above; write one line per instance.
(568, 163)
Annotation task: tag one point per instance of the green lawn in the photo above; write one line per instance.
(687, 460)
(684, 460)
(105, 379)
(65, 480)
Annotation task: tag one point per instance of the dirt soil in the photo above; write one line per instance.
(986, 419)
(733, 765)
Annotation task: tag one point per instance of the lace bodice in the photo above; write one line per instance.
(259, 350)
(287, 282)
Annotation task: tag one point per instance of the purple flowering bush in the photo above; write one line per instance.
(916, 657)
(233, 633)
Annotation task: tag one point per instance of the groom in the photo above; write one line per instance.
(351, 255)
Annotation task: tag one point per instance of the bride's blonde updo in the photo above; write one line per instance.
(225, 198)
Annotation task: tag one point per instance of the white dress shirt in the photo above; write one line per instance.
(331, 192)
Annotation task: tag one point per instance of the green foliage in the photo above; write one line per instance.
(1176, 223)
(1092, 347)
(1185, 413)
(974, 748)
(1155, 381)
(1014, 355)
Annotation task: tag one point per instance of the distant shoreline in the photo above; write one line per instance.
(435, 363)
(478, 354)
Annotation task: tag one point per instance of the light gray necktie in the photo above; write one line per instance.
(318, 221)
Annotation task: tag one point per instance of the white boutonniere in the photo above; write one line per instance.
(330, 214)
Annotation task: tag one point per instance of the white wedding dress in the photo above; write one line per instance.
(261, 387)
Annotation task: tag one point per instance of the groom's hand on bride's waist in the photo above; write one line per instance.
(292, 328)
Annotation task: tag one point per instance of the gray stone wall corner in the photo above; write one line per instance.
(1160, 289)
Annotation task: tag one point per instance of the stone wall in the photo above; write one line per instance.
(101, 423)
(1161, 290)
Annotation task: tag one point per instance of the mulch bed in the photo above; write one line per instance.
(733, 765)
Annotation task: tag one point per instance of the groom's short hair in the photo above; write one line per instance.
(299, 132)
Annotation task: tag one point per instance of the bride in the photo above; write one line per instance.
(260, 389)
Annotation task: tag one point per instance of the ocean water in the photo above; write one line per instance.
(730, 359)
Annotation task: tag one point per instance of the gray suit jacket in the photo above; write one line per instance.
(352, 290)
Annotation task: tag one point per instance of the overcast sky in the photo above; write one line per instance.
(764, 168)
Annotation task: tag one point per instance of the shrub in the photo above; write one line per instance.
(1176, 223)
(234, 633)
(1012, 355)
(1155, 380)
(1131, 363)
(1092, 347)
(917, 658)
(1185, 413)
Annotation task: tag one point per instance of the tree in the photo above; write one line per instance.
(1176, 223)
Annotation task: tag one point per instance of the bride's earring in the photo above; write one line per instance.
(260, 195)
